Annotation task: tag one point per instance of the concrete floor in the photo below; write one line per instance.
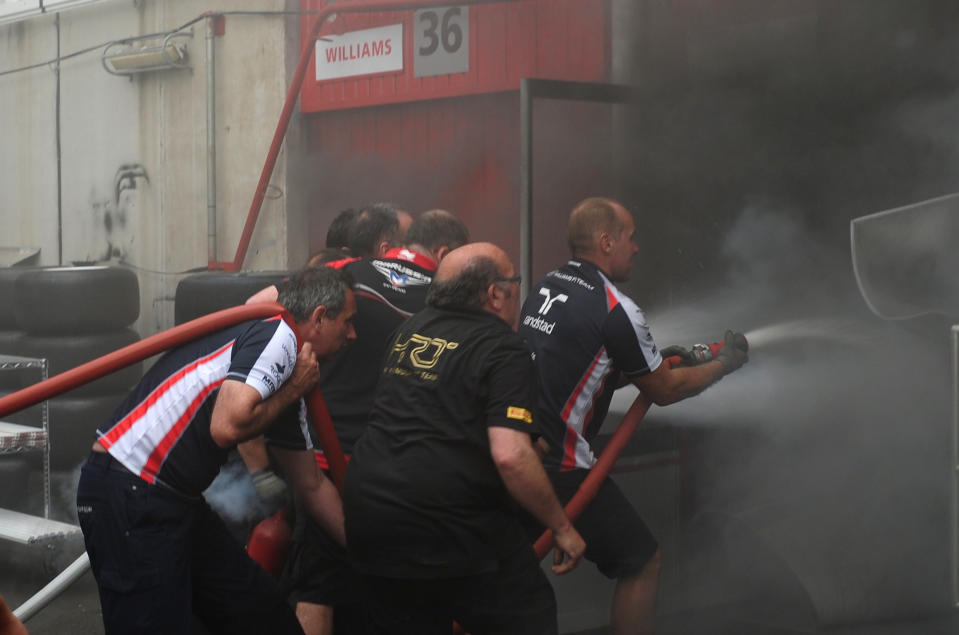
(77, 612)
(26, 569)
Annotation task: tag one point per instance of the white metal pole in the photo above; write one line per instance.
(54, 588)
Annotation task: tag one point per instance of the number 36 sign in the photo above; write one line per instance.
(441, 45)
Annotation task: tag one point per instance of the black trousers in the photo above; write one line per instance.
(517, 599)
(159, 558)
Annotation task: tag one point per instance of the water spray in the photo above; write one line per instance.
(804, 329)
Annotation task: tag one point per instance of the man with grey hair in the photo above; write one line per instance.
(158, 552)
(431, 490)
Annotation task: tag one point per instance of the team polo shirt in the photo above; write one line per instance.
(161, 431)
(388, 290)
(423, 498)
(583, 332)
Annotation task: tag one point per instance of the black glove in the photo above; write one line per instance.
(734, 352)
(271, 490)
(683, 354)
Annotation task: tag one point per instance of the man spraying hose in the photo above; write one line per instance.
(588, 339)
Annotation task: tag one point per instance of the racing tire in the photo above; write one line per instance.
(15, 472)
(75, 300)
(65, 352)
(73, 423)
(205, 293)
(8, 275)
(14, 378)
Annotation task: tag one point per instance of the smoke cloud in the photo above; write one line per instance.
(822, 467)
(233, 496)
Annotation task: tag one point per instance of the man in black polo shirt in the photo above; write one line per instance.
(431, 491)
(389, 289)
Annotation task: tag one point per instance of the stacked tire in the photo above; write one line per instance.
(70, 316)
(205, 293)
(15, 469)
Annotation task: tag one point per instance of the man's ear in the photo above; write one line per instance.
(605, 242)
(382, 248)
(318, 314)
(494, 295)
(441, 253)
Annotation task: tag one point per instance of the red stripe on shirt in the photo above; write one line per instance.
(137, 413)
(611, 299)
(339, 264)
(568, 408)
(418, 259)
(569, 449)
(170, 438)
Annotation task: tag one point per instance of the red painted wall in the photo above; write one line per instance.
(462, 153)
(558, 39)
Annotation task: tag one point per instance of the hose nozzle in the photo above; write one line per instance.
(702, 353)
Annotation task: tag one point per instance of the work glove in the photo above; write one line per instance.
(734, 352)
(271, 490)
(685, 357)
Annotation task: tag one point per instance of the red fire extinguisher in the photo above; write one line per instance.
(269, 543)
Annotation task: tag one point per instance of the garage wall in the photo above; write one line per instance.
(100, 168)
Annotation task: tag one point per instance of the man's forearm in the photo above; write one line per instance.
(326, 508)
(265, 413)
(317, 493)
(240, 415)
(528, 484)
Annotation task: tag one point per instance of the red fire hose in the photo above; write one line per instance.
(326, 436)
(590, 485)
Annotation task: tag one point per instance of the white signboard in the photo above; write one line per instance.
(365, 52)
(441, 41)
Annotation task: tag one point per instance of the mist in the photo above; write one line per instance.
(822, 468)
(233, 497)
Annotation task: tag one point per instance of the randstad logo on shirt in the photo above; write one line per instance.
(521, 414)
(539, 324)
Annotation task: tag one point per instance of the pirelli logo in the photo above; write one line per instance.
(521, 414)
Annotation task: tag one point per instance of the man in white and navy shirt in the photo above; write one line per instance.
(588, 338)
(158, 552)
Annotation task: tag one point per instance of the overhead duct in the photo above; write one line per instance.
(906, 259)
